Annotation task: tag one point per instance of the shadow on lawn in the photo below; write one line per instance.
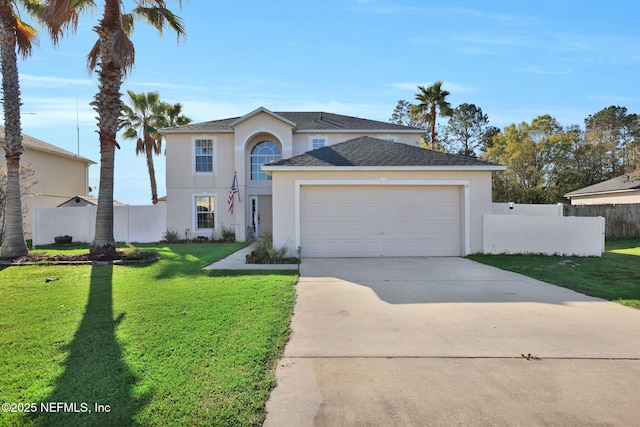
(94, 372)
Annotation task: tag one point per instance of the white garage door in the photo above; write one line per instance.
(371, 221)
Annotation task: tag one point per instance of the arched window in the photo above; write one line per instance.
(263, 152)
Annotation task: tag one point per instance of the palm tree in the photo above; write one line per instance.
(18, 37)
(432, 102)
(15, 35)
(142, 120)
(113, 57)
(174, 116)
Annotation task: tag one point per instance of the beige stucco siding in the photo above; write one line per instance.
(475, 187)
(611, 198)
(302, 141)
(263, 123)
(231, 155)
(58, 178)
(180, 171)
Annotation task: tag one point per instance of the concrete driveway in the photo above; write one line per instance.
(439, 341)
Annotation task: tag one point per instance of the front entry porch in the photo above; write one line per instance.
(260, 217)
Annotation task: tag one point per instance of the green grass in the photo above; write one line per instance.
(162, 344)
(615, 276)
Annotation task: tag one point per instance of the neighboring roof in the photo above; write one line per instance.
(91, 200)
(317, 121)
(373, 152)
(627, 182)
(36, 144)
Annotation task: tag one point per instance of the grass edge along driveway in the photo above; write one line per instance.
(615, 276)
(165, 343)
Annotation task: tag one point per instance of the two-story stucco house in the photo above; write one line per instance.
(58, 175)
(335, 185)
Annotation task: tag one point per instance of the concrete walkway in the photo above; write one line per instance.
(238, 261)
(440, 341)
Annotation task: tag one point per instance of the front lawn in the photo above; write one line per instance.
(615, 276)
(155, 344)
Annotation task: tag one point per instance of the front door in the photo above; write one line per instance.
(261, 216)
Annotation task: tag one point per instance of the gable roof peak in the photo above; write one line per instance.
(258, 111)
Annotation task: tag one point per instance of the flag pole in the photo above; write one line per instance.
(235, 175)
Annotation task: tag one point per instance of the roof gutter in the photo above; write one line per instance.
(270, 169)
(599, 193)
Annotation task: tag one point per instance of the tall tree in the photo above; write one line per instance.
(142, 120)
(18, 37)
(402, 115)
(616, 131)
(432, 102)
(27, 181)
(537, 156)
(113, 57)
(466, 130)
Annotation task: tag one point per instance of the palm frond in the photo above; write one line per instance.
(59, 16)
(93, 56)
(128, 22)
(124, 52)
(159, 16)
(140, 146)
(26, 37)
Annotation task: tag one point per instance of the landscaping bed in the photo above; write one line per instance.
(266, 253)
(78, 253)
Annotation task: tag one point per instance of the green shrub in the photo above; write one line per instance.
(171, 236)
(266, 253)
(227, 235)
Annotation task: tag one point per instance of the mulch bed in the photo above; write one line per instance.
(87, 258)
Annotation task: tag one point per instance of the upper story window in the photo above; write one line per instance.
(204, 155)
(263, 152)
(318, 142)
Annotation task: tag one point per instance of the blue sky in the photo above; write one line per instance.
(514, 59)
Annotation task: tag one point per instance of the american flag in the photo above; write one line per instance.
(232, 192)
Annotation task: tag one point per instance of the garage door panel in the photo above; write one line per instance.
(380, 221)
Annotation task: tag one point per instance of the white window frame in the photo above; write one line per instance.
(317, 137)
(194, 207)
(213, 155)
(260, 173)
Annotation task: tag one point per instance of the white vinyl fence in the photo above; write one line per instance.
(516, 234)
(130, 223)
(528, 210)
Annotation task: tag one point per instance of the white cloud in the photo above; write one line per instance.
(30, 80)
(552, 71)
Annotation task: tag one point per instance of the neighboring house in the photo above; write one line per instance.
(59, 174)
(80, 201)
(623, 189)
(336, 185)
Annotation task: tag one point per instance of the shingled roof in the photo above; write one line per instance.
(367, 151)
(625, 182)
(36, 144)
(303, 122)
